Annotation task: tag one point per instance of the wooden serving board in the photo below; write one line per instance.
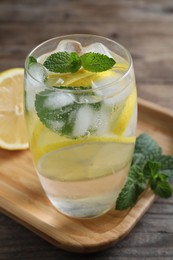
(22, 197)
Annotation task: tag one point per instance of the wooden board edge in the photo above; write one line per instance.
(145, 104)
(129, 221)
(116, 234)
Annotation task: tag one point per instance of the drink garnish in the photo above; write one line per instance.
(96, 62)
(63, 62)
(150, 168)
(61, 117)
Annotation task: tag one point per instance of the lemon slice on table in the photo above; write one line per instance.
(125, 116)
(13, 135)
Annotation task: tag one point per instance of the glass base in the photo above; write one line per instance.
(84, 208)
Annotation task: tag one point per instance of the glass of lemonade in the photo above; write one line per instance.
(81, 124)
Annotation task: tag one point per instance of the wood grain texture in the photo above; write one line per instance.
(145, 28)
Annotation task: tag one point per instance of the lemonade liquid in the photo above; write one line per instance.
(83, 169)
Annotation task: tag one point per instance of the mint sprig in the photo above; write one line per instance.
(158, 181)
(166, 166)
(146, 149)
(149, 169)
(96, 62)
(63, 62)
(134, 186)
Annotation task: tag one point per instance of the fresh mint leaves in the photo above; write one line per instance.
(134, 186)
(158, 181)
(63, 62)
(58, 110)
(96, 62)
(147, 149)
(161, 187)
(149, 168)
(55, 115)
(166, 166)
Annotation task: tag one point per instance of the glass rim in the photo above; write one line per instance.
(116, 81)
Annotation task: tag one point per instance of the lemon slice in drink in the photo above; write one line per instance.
(80, 78)
(13, 129)
(67, 159)
(125, 116)
(77, 160)
(44, 141)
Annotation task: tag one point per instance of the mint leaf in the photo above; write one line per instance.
(166, 167)
(55, 115)
(96, 62)
(31, 61)
(128, 196)
(63, 62)
(161, 187)
(58, 110)
(157, 180)
(148, 148)
(151, 169)
(76, 62)
(134, 186)
(138, 159)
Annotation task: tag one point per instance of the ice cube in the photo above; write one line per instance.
(100, 121)
(83, 121)
(56, 100)
(111, 90)
(105, 88)
(120, 96)
(38, 72)
(97, 47)
(34, 83)
(105, 82)
(69, 46)
(87, 99)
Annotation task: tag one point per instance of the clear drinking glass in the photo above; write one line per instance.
(82, 135)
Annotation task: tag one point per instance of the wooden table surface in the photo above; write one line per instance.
(145, 27)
